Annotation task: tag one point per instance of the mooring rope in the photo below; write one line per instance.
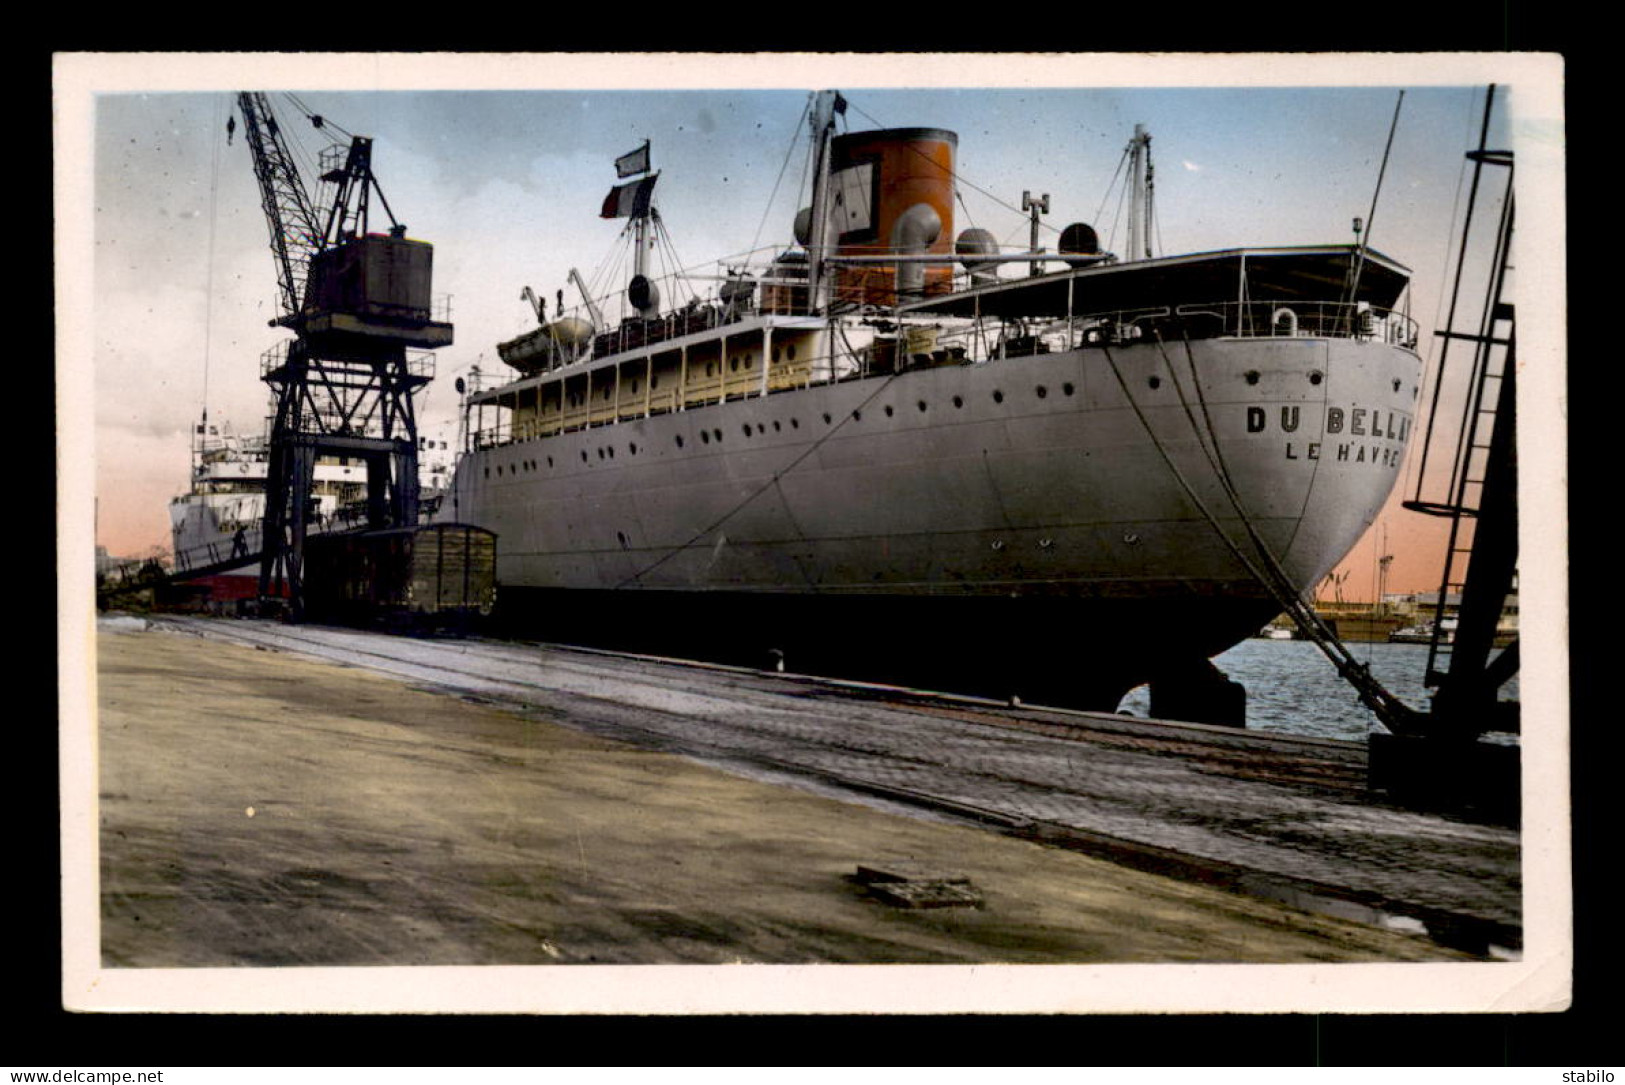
(1268, 571)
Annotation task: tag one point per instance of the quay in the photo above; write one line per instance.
(273, 796)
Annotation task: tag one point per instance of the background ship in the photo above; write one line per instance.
(1055, 484)
(221, 515)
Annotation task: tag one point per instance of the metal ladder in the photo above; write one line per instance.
(1490, 369)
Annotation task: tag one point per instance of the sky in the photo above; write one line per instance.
(507, 184)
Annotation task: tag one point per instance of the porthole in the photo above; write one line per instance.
(679, 440)
(550, 461)
(705, 437)
(747, 429)
(1040, 391)
(1396, 384)
(583, 455)
(1252, 376)
(621, 535)
(717, 434)
(1316, 376)
(632, 448)
(959, 401)
(998, 396)
(1155, 382)
(888, 411)
(826, 418)
(857, 416)
(921, 406)
(775, 425)
(1067, 388)
(794, 424)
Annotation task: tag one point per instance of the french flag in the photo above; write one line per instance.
(630, 199)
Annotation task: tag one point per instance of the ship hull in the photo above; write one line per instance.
(1078, 519)
(1082, 653)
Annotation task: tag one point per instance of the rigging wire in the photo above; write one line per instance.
(316, 119)
(1371, 217)
(1391, 711)
(958, 177)
(754, 494)
(1430, 373)
(208, 298)
(1111, 186)
(789, 152)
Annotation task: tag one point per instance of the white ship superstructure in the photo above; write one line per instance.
(221, 515)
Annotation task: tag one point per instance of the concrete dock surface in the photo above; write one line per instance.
(260, 807)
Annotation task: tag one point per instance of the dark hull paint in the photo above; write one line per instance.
(1078, 653)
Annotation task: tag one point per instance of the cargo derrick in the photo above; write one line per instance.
(357, 303)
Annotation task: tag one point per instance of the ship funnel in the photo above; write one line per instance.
(977, 242)
(877, 179)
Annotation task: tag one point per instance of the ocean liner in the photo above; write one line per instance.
(897, 454)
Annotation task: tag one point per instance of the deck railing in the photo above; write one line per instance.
(911, 346)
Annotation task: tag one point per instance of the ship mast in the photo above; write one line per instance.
(827, 104)
(1140, 172)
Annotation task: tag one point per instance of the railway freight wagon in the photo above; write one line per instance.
(428, 575)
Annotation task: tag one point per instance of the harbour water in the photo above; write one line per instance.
(1292, 688)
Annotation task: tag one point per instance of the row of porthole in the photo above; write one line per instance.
(1252, 376)
(708, 436)
(1043, 544)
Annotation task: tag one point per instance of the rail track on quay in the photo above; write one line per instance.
(1276, 816)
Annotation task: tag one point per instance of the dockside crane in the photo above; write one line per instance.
(359, 306)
